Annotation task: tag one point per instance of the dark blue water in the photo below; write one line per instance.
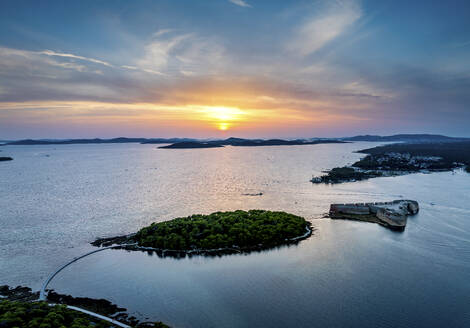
(348, 274)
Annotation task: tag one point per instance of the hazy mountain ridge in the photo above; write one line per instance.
(406, 138)
(415, 138)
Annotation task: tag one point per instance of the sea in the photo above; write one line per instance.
(56, 199)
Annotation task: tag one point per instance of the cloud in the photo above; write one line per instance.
(31, 75)
(157, 53)
(59, 54)
(162, 32)
(240, 3)
(134, 68)
(319, 30)
(169, 53)
(33, 63)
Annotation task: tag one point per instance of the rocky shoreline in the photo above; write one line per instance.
(100, 306)
(392, 215)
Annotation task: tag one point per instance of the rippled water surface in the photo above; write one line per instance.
(54, 200)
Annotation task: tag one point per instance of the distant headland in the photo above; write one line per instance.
(191, 144)
(400, 159)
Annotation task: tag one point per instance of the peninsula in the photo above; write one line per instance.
(400, 159)
(219, 232)
(410, 138)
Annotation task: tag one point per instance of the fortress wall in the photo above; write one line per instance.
(391, 218)
(360, 209)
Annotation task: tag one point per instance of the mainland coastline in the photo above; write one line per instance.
(401, 159)
(20, 306)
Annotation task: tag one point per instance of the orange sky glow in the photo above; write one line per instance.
(260, 114)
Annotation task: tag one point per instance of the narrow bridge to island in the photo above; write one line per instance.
(43, 292)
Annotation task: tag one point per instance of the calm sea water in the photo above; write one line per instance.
(54, 200)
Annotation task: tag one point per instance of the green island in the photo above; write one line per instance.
(42, 315)
(219, 231)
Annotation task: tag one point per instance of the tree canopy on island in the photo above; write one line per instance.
(242, 229)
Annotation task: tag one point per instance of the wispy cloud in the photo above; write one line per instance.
(162, 32)
(184, 53)
(324, 26)
(240, 3)
(135, 68)
(157, 53)
(44, 62)
(59, 54)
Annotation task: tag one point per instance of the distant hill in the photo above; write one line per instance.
(170, 140)
(237, 142)
(182, 142)
(410, 138)
(189, 144)
(272, 142)
(28, 142)
(415, 138)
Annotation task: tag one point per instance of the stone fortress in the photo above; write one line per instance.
(392, 214)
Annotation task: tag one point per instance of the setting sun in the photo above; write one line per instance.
(224, 126)
(222, 117)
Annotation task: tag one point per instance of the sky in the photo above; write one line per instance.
(245, 68)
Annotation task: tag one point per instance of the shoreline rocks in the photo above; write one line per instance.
(100, 306)
(392, 215)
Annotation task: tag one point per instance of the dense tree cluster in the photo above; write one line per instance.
(242, 229)
(41, 315)
(342, 174)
